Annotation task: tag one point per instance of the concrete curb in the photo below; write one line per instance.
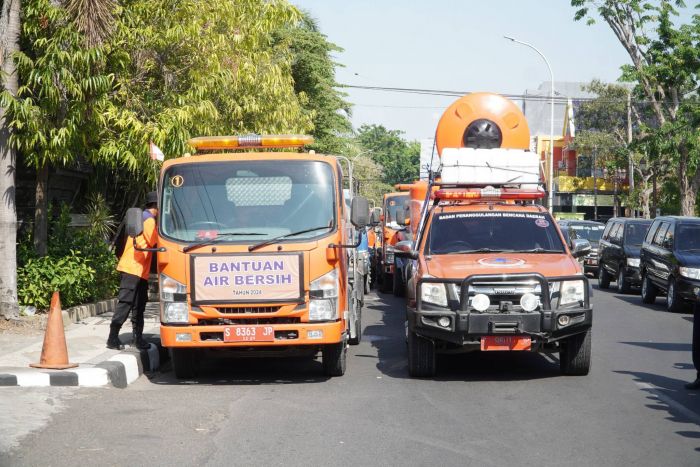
(78, 313)
(119, 371)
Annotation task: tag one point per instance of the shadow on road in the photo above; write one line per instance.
(669, 395)
(672, 346)
(389, 338)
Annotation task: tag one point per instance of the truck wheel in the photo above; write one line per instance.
(603, 278)
(334, 357)
(674, 303)
(575, 354)
(368, 284)
(623, 285)
(421, 356)
(386, 282)
(397, 284)
(356, 335)
(184, 363)
(649, 290)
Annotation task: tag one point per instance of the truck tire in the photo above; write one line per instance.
(623, 285)
(575, 354)
(184, 363)
(674, 303)
(397, 287)
(368, 283)
(603, 278)
(649, 290)
(421, 356)
(357, 327)
(334, 358)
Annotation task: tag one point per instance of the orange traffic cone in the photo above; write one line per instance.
(54, 353)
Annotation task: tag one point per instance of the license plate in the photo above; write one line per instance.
(592, 262)
(249, 334)
(506, 343)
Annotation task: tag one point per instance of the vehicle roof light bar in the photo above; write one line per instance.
(489, 193)
(252, 141)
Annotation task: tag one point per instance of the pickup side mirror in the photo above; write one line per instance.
(359, 212)
(580, 247)
(374, 218)
(405, 249)
(134, 222)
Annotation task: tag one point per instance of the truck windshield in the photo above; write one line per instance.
(247, 200)
(472, 232)
(393, 204)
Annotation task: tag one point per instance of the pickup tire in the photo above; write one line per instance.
(397, 284)
(649, 290)
(575, 354)
(334, 358)
(603, 278)
(386, 282)
(421, 356)
(184, 362)
(623, 285)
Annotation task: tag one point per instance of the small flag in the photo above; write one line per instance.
(155, 152)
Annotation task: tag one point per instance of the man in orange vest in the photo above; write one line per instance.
(135, 266)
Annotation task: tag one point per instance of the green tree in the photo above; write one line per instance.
(666, 66)
(399, 159)
(313, 71)
(9, 38)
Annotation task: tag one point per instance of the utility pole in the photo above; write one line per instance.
(630, 169)
(595, 183)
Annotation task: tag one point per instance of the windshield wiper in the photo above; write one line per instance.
(282, 237)
(479, 250)
(217, 239)
(539, 250)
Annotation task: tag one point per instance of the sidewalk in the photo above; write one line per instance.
(98, 366)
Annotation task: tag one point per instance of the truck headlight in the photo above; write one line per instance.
(434, 293)
(323, 293)
(172, 290)
(174, 312)
(571, 292)
(690, 273)
(633, 262)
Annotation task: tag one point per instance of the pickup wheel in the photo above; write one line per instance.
(603, 278)
(421, 356)
(649, 290)
(575, 354)
(184, 362)
(334, 358)
(386, 282)
(623, 285)
(674, 303)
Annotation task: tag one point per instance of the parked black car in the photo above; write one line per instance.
(618, 252)
(670, 261)
(585, 230)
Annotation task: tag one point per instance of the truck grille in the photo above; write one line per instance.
(248, 310)
(504, 296)
(228, 322)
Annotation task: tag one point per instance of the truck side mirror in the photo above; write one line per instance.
(374, 218)
(580, 247)
(359, 212)
(134, 222)
(404, 249)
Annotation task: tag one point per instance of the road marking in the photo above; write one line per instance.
(92, 377)
(677, 406)
(31, 378)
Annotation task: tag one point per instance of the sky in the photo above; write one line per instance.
(459, 46)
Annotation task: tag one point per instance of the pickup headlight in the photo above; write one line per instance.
(389, 256)
(633, 262)
(571, 292)
(690, 273)
(323, 294)
(434, 293)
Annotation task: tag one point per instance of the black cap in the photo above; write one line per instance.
(151, 198)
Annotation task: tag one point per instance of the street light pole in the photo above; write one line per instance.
(550, 182)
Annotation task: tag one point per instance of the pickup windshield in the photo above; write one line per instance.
(247, 201)
(487, 232)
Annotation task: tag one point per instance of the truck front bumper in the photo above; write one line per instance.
(285, 335)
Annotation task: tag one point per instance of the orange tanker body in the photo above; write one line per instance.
(252, 253)
(491, 271)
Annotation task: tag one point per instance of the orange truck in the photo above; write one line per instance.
(394, 205)
(252, 252)
(491, 270)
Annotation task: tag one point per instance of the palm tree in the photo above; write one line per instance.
(9, 39)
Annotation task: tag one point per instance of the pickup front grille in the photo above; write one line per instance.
(504, 296)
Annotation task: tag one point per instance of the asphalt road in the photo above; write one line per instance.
(482, 409)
